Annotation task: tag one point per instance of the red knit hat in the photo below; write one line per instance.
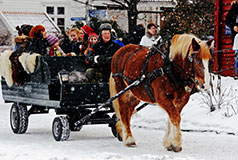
(92, 34)
(52, 39)
(87, 29)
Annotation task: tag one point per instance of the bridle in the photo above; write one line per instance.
(189, 74)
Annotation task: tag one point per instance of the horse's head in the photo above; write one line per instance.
(198, 61)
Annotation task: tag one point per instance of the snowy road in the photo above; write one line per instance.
(97, 142)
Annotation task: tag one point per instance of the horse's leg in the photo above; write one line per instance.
(173, 137)
(124, 107)
(179, 102)
(181, 99)
(127, 103)
(166, 141)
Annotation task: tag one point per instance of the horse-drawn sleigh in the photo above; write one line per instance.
(155, 76)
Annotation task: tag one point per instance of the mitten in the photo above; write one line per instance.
(100, 59)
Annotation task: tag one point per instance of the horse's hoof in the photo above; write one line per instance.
(130, 142)
(176, 148)
(169, 148)
(131, 145)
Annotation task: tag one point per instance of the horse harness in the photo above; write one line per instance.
(149, 77)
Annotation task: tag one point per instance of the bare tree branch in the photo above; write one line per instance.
(118, 2)
(82, 2)
(127, 2)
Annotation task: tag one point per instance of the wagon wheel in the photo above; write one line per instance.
(114, 129)
(19, 118)
(60, 128)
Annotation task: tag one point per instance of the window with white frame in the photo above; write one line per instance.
(50, 10)
(60, 10)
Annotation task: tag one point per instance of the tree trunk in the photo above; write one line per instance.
(132, 16)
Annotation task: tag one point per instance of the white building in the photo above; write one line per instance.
(65, 12)
(61, 11)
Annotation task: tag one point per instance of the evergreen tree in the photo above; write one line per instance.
(196, 17)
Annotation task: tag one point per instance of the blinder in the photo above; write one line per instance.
(191, 75)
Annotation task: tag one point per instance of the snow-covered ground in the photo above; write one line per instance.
(214, 136)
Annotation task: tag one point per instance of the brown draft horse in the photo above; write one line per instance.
(189, 57)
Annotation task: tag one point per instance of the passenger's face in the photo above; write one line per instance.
(106, 35)
(81, 35)
(152, 30)
(93, 40)
(56, 45)
(73, 36)
(44, 34)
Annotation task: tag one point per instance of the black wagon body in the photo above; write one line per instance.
(44, 90)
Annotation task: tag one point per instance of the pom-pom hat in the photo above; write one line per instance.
(92, 34)
(86, 29)
(52, 39)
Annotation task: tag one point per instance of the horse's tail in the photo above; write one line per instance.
(115, 104)
(116, 82)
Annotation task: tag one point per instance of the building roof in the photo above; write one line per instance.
(13, 19)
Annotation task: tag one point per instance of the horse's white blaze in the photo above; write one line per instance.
(206, 74)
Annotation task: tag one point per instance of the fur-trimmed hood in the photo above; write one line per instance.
(149, 35)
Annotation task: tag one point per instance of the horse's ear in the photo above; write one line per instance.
(195, 45)
(209, 42)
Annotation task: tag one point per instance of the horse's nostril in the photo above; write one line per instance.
(203, 87)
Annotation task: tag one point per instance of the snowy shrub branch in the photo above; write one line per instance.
(5, 39)
(217, 97)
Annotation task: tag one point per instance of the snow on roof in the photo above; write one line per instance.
(33, 18)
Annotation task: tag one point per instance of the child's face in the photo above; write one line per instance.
(93, 40)
(81, 35)
(73, 36)
(56, 44)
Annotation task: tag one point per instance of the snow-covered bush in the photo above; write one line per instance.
(221, 96)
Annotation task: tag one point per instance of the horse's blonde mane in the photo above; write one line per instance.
(181, 44)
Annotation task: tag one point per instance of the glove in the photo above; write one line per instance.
(100, 59)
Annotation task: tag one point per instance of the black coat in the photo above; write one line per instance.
(65, 44)
(38, 45)
(75, 47)
(232, 19)
(105, 50)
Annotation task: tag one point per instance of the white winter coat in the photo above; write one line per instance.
(148, 40)
(235, 45)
